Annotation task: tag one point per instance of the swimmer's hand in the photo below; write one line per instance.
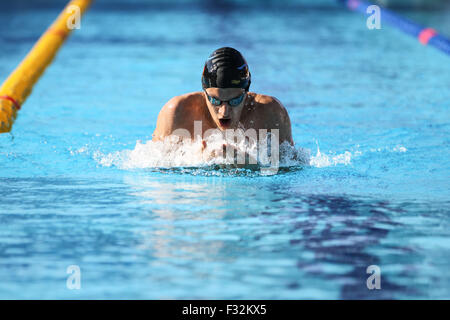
(208, 154)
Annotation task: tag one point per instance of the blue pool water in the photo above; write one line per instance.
(371, 106)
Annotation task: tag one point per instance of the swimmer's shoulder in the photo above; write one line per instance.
(268, 105)
(273, 115)
(180, 105)
(178, 113)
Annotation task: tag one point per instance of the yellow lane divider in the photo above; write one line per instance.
(16, 88)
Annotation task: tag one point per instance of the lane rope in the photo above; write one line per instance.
(425, 35)
(15, 103)
(19, 84)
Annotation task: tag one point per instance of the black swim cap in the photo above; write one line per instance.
(226, 68)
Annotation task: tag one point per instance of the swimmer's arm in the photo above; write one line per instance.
(282, 118)
(164, 122)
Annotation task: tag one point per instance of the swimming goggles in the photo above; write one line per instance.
(232, 102)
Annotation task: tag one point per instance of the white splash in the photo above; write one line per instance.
(321, 160)
(399, 149)
(173, 152)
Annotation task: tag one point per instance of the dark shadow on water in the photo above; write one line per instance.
(340, 231)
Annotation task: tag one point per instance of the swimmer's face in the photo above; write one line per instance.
(225, 116)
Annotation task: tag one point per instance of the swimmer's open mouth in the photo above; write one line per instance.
(225, 122)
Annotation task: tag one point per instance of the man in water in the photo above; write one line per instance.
(225, 102)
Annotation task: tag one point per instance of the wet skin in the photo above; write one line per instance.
(256, 111)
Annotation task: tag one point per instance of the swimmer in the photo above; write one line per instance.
(225, 102)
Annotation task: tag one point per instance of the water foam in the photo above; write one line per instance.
(321, 160)
(175, 153)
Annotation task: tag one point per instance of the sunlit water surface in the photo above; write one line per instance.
(80, 186)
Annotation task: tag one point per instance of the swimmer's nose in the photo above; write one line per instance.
(224, 111)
